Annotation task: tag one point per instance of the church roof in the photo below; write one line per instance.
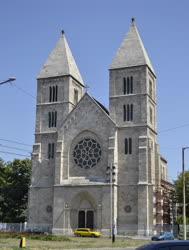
(61, 62)
(132, 51)
(102, 106)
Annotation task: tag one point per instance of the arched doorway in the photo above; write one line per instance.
(86, 219)
(83, 211)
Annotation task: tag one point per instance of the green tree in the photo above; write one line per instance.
(179, 193)
(14, 183)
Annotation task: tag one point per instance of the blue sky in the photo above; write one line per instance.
(94, 30)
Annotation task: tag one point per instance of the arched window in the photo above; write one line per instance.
(128, 146)
(131, 85)
(52, 119)
(131, 112)
(51, 148)
(75, 96)
(56, 94)
(50, 94)
(53, 93)
(124, 86)
(128, 85)
(124, 113)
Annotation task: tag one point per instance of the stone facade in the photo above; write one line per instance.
(92, 168)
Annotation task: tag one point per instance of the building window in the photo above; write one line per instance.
(128, 112)
(50, 150)
(75, 96)
(150, 88)
(128, 85)
(52, 119)
(53, 93)
(124, 113)
(151, 115)
(128, 146)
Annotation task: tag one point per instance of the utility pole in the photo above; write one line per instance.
(184, 193)
(110, 171)
(10, 79)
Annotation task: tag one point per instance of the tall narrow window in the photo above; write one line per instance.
(150, 88)
(52, 124)
(131, 112)
(56, 93)
(128, 85)
(131, 85)
(50, 150)
(124, 113)
(52, 119)
(50, 94)
(128, 146)
(124, 86)
(151, 115)
(55, 118)
(128, 112)
(75, 96)
(53, 93)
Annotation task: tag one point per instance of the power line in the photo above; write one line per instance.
(24, 91)
(16, 142)
(20, 149)
(170, 129)
(11, 153)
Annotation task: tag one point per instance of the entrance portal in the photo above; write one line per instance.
(86, 219)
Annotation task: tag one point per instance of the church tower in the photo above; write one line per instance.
(132, 98)
(59, 89)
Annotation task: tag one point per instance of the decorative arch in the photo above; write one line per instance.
(83, 210)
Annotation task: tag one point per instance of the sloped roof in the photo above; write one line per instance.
(132, 51)
(61, 62)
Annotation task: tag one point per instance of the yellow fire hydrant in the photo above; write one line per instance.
(23, 242)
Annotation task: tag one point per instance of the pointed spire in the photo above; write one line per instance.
(132, 51)
(61, 62)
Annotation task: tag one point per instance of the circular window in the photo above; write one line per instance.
(127, 209)
(87, 153)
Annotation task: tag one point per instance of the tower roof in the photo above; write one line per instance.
(132, 51)
(61, 62)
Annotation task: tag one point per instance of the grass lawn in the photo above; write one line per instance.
(55, 243)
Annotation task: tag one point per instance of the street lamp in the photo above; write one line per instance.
(10, 79)
(111, 176)
(184, 193)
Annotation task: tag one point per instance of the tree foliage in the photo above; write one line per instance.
(14, 185)
(179, 193)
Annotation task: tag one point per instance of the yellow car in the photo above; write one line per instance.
(86, 232)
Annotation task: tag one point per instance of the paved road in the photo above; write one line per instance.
(106, 248)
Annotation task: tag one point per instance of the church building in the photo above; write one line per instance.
(93, 167)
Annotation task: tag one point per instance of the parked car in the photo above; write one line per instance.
(163, 236)
(166, 245)
(86, 232)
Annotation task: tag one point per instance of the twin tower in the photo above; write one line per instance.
(92, 167)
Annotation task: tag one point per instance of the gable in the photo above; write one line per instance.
(87, 113)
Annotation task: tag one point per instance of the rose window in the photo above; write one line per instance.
(87, 153)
